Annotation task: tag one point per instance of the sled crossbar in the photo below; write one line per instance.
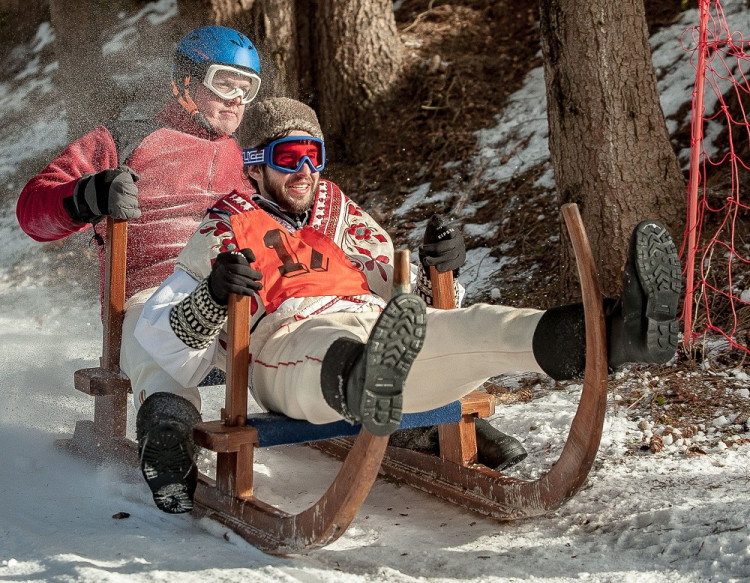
(276, 429)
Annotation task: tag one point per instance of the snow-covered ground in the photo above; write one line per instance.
(646, 517)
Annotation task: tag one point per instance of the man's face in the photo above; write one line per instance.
(293, 192)
(224, 116)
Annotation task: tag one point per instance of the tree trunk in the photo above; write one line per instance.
(272, 27)
(356, 59)
(341, 57)
(79, 32)
(607, 135)
(227, 12)
(280, 47)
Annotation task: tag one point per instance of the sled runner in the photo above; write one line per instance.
(454, 475)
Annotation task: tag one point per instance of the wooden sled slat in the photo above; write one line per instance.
(503, 497)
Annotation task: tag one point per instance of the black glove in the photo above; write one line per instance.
(443, 246)
(107, 193)
(232, 274)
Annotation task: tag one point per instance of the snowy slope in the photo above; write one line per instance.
(640, 518)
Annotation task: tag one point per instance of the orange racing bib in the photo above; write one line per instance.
(305, 263)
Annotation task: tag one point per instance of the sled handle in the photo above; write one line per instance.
(238, 342)
(443, 297)
(401, 272)
(114, 292)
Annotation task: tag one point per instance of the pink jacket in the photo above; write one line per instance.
(183, 172)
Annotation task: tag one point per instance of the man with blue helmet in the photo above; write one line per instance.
(222, 60)
(158, 173)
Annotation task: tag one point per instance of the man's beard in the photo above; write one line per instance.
(290, 203)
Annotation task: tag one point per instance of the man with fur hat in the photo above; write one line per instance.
(329, 341)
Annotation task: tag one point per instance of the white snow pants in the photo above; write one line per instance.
(462, 349)
(146, 377)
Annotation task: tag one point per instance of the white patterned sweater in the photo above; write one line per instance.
(333, 214)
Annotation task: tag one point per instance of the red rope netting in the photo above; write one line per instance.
(717, 237)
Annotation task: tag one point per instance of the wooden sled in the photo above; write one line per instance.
(453, 476)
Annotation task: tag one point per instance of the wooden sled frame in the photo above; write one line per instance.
(454, 475)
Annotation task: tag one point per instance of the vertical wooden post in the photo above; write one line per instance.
(114, 293)
(401, 272)
(111, 411)
(234, 470)
(458, 441)
(443, 297)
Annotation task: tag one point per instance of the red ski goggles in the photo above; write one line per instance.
(289, 154)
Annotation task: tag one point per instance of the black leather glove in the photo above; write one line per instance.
(443, 247)
(232, 273)
(107, 193)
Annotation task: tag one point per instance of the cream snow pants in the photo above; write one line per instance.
(147, 377)
(462, 349)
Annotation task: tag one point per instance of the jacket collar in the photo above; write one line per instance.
(174, 116)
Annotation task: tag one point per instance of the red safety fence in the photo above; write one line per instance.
(717, 238)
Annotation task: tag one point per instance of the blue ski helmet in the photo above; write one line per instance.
(216, 44)
(201, 52)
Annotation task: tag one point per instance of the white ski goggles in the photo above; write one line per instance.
(229, 83)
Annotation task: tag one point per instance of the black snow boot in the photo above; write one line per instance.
(641, 326)
(365, 382)
(164, 428)
(417, 438)
(644, 325)
(496, 449)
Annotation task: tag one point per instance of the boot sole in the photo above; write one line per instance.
(169, 470)
(658, 269)
(394, 343)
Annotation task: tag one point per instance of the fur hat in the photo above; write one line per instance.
(275, 117)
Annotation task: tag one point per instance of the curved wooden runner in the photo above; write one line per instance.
(488, 492)
(275, 531)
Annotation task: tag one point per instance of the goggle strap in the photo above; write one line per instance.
(253, 156)
(184, 99)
